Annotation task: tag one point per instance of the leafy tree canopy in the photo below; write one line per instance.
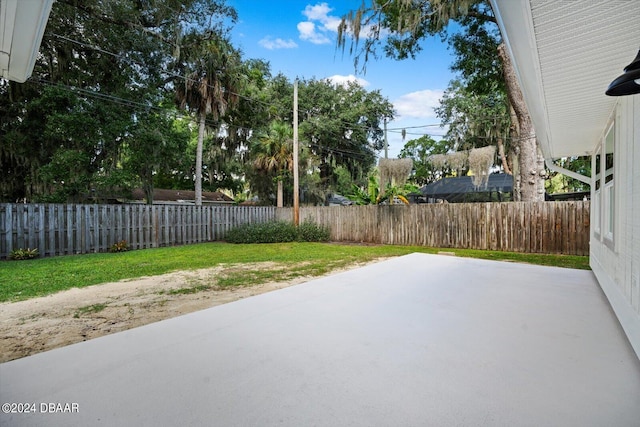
(342, 125)
(104, 67)
(419, 151)
(98, 116)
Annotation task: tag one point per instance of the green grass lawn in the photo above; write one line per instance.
(21, 280)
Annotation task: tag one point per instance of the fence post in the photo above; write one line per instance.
(551, 227)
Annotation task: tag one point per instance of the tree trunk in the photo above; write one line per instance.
(279, 196)
(325, 175)
(514, 149)
(148, 192)
(515, 173)
(529, 173)
(199, 160)
(503, 158)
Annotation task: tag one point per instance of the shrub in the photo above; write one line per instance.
(20, 254)
(311, 232)
(278, 232)
(121, 246)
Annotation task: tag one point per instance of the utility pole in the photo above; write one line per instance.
(296, 184)
(386, 143)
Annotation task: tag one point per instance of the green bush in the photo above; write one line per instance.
(20, 254)
(278, 232)
(311, 232)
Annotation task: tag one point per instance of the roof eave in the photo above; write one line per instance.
(516, 25)
(22, 25)
(565, 55)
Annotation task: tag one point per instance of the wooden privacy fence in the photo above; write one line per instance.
(537, 227)
(534, 227)
(74, 229)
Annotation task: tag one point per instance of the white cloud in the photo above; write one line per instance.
(331, 23)
(317, 12)
(343, 80)
(418, 104)
(320, 13)
(277, 43)
(309, 32)
(319, 24)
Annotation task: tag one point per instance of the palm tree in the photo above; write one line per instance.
(275, 153)
(210, 89)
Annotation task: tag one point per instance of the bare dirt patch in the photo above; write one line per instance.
(40, 324)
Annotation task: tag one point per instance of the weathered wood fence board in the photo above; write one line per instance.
(536, 227)
(57, 229)
(539, 227)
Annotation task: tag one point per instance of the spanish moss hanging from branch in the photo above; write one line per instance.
(458, 160)
(394, 171)
(438, 161)
(480, 162)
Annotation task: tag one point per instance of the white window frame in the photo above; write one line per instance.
(608, 198)
(596, 204)
(609, 213)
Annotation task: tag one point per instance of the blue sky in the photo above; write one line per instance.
(298, 38)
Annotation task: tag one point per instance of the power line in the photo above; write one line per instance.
(187, 79)
(175, 75)
(132, 104)
(414, 127)
(139, 63)
(179, 76)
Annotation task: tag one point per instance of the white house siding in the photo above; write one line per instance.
(617, 266)
(566, 53)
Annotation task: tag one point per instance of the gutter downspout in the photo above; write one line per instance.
(552, 166)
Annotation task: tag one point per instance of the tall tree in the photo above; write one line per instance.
(156, 144)
(342, 125)
(476, 120)
(419, 151)
(274, 154)
(210, 88)
(102, 66)
(409, 21)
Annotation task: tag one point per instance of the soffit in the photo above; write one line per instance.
(22, 24)
(566, 56)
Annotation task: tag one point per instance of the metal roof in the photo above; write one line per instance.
(566, 54)
(463, 184)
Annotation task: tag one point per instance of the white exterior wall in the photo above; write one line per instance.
(617, 265)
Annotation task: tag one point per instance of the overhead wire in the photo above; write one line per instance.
(134, 104)
(131, 103)
(186, 78)
(166, 72)
(175, 75)
(123, 101)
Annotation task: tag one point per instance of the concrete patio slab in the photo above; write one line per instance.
(420, 340)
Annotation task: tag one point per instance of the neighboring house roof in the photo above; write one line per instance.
(184, 196)
(22, 24)
(575, 195)
(566, 54)
(446, 187)
(338, 200)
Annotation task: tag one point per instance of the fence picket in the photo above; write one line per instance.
(536, 227)
(547, 227)
(73, 229)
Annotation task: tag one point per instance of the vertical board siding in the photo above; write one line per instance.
(534, 227)
(57, 229)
